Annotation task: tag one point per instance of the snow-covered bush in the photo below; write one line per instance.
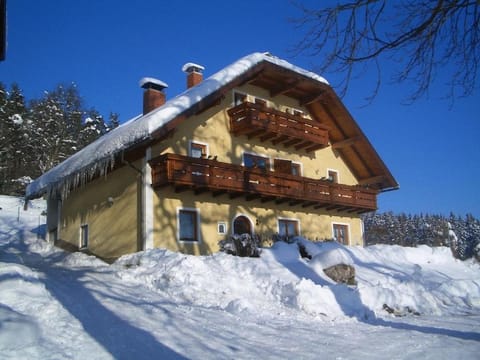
(244, 245)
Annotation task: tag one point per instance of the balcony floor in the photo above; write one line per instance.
(202, 175)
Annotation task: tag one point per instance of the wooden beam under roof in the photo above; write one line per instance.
(372, 180)
(311, 99)
(347, 142)
(283, 88)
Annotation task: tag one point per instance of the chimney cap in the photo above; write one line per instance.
(191, 67)
(152, 83)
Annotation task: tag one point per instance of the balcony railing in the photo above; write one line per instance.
(202, 175)
(264, 123)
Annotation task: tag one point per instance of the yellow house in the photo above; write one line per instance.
(261, 147)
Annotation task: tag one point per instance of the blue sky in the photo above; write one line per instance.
(105, 47)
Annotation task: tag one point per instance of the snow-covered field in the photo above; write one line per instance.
(163, 305)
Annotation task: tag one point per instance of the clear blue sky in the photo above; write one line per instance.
(106, 46)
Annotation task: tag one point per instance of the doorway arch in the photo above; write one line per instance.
(242, 225)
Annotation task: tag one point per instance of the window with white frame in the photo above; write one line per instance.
(288, 227)
(253, 161)
(84, 236)
(333, 176)
(287, 167)
(188, 225)
(198, 150)
(221, 228)
(239, 98)
(340, 233)
(296, 169)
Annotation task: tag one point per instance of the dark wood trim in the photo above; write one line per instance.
(203, 175)
(346, 142)
(260, 121)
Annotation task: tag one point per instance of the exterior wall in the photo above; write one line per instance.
(117, 227)
(212, 128)
(109, 206)
(263, 216)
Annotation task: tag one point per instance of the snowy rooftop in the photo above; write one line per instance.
(99, 155)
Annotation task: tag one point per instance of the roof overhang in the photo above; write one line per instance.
(325, 107)
(259, 69)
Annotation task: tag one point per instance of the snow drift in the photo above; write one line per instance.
(60, 305)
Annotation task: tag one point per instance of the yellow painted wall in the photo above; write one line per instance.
(314, 225)
(114, 228)
(212, 128)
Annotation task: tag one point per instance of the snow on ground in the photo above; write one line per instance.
(164, 305)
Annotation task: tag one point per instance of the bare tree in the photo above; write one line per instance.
(423, 37)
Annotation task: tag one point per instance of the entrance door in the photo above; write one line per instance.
(340, 233)
(242, 225)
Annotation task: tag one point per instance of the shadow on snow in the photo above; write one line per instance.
(117, 336)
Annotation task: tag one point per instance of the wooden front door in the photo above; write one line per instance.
(242, 225)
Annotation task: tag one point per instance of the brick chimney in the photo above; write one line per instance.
(194, 74)
(153, 95)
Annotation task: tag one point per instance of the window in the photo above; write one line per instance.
(333, 176)
(296, 169)
(84, 236)
(287, 167)
(340, 233)
(221, 228)
(260, 102)
(239, 98)
(298, 113)
(198, 150)
(188, 225)
(256, 161)
(287, 227)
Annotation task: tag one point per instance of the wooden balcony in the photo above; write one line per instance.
(266, 124)
(202, 175)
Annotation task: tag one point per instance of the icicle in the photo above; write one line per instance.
(80, 178)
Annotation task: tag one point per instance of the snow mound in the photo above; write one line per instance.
(162, 304)
(324, 260)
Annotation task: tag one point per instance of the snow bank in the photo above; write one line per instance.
(161, 304)
(429, 281)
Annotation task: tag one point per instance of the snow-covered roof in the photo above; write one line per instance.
(149, 80)
(98, 156)
(192, 66)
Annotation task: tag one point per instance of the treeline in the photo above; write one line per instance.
(462, 235)
(38, 134)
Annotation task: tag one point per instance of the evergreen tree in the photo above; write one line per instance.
(462, 235)
(14, 136)
(36, 137)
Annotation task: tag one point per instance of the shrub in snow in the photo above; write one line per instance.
(244, 245)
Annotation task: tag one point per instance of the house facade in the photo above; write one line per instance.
(261, 147)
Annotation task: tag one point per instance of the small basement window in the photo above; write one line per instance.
(222, 228)
(84, 236)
